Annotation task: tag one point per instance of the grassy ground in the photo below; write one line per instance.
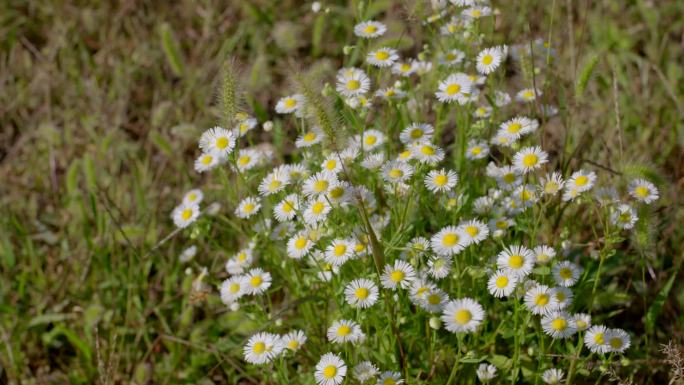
(100, 108)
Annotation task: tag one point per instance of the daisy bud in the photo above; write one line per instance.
(188, 271)
(435, 323)
(348, 49)
(498, 233)
(315, 7)
(268, 126)
(279, 322)
(235, 306)
(213, 208)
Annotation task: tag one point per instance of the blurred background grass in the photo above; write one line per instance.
(101, 104)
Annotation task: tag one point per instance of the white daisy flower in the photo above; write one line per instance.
(643, 191)
(361, 293)
(299, 245)
(247, 159)
(606, 196)
(624, 216)
(403, 68)
(441, 180)
(448, 241)
(434, 300)
(396, 172)
(193, 197)
(482, 112)
(558, 324)
(488, 60)
(462, 315)
(486, 372)
(340, 193)
(257, 281)
(529, 159)
(369, 29)
(188, 254)
(477, 149)
(502, 283)
(452, 58)
(477, 12)
(427, 153)
(274, 182)
(390, 93)
(232, 289)
(390, 378)
(293, 340)
(618, 340)
(540, 299)
(475, 231)
(596, 339)
(317, 210)
(185, 214)
(582, 180)
(420, 288)
(352, 82)
(518, 127)
(290, 104)
(286, 209)
(551, 184)
(240, 261)
(372, 139)
(582, 321)
(373, 161)
(516, 260)
(319, 183)
(501, 98)
(206, 162)
(344, 331)
(563, 296)
(243, 127)
(439, 267)
(508, 178)
(339, 251)
(527, 95)
(261, 348)
(566, 273)
(401, 274)
(309, 138)
(543, 254)
(330, 370)
(364, 371)
(247, 208)
(457, 87)
(525, 195)
(416, 132)
(552, 376)
(217, 141)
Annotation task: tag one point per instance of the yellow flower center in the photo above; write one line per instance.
(293, 345)
(434, 299)
(290, 102)
(317, 207)
(256, 281)
(450, 240)
(353, 85)
(487, 59)
(450, 56)
(416, 133)
(397, 276)
(477, 150)
(274, 185)
(309, 137)
(222, 143)
(248, 207)
(206, 160)
(361, 293)
(565, 273)
(559, 324)
(509, 178)
(288, 206)
(541, 300)
(320, 185)
(244, 160)
(530, 160)
(516, 261)
(581, 180)
(329, 371)
(598, 339)
(331, 164)
(396, 173)
(234, 287)
(551, 187)
(514, 128)
(192, 197)
(441, 180)
(340, 250)
(427, 150)
(501, 282)
(405, 154)
(581, 324)
(370, 28)
(463, 316)
(242, 257)
(336, 192)
(186, 214)
(528, 94)
(453, 89)
(370, 140)
(300, 243)
(343, 330)
(259, 347)
(472, 230)
(382, 55)
(641, 191)
(615, 342)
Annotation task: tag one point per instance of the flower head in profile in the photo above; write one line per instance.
(369, 29)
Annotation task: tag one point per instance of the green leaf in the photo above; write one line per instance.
(657, 305)
(585, 75)
(161, 143)
(171, 50)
